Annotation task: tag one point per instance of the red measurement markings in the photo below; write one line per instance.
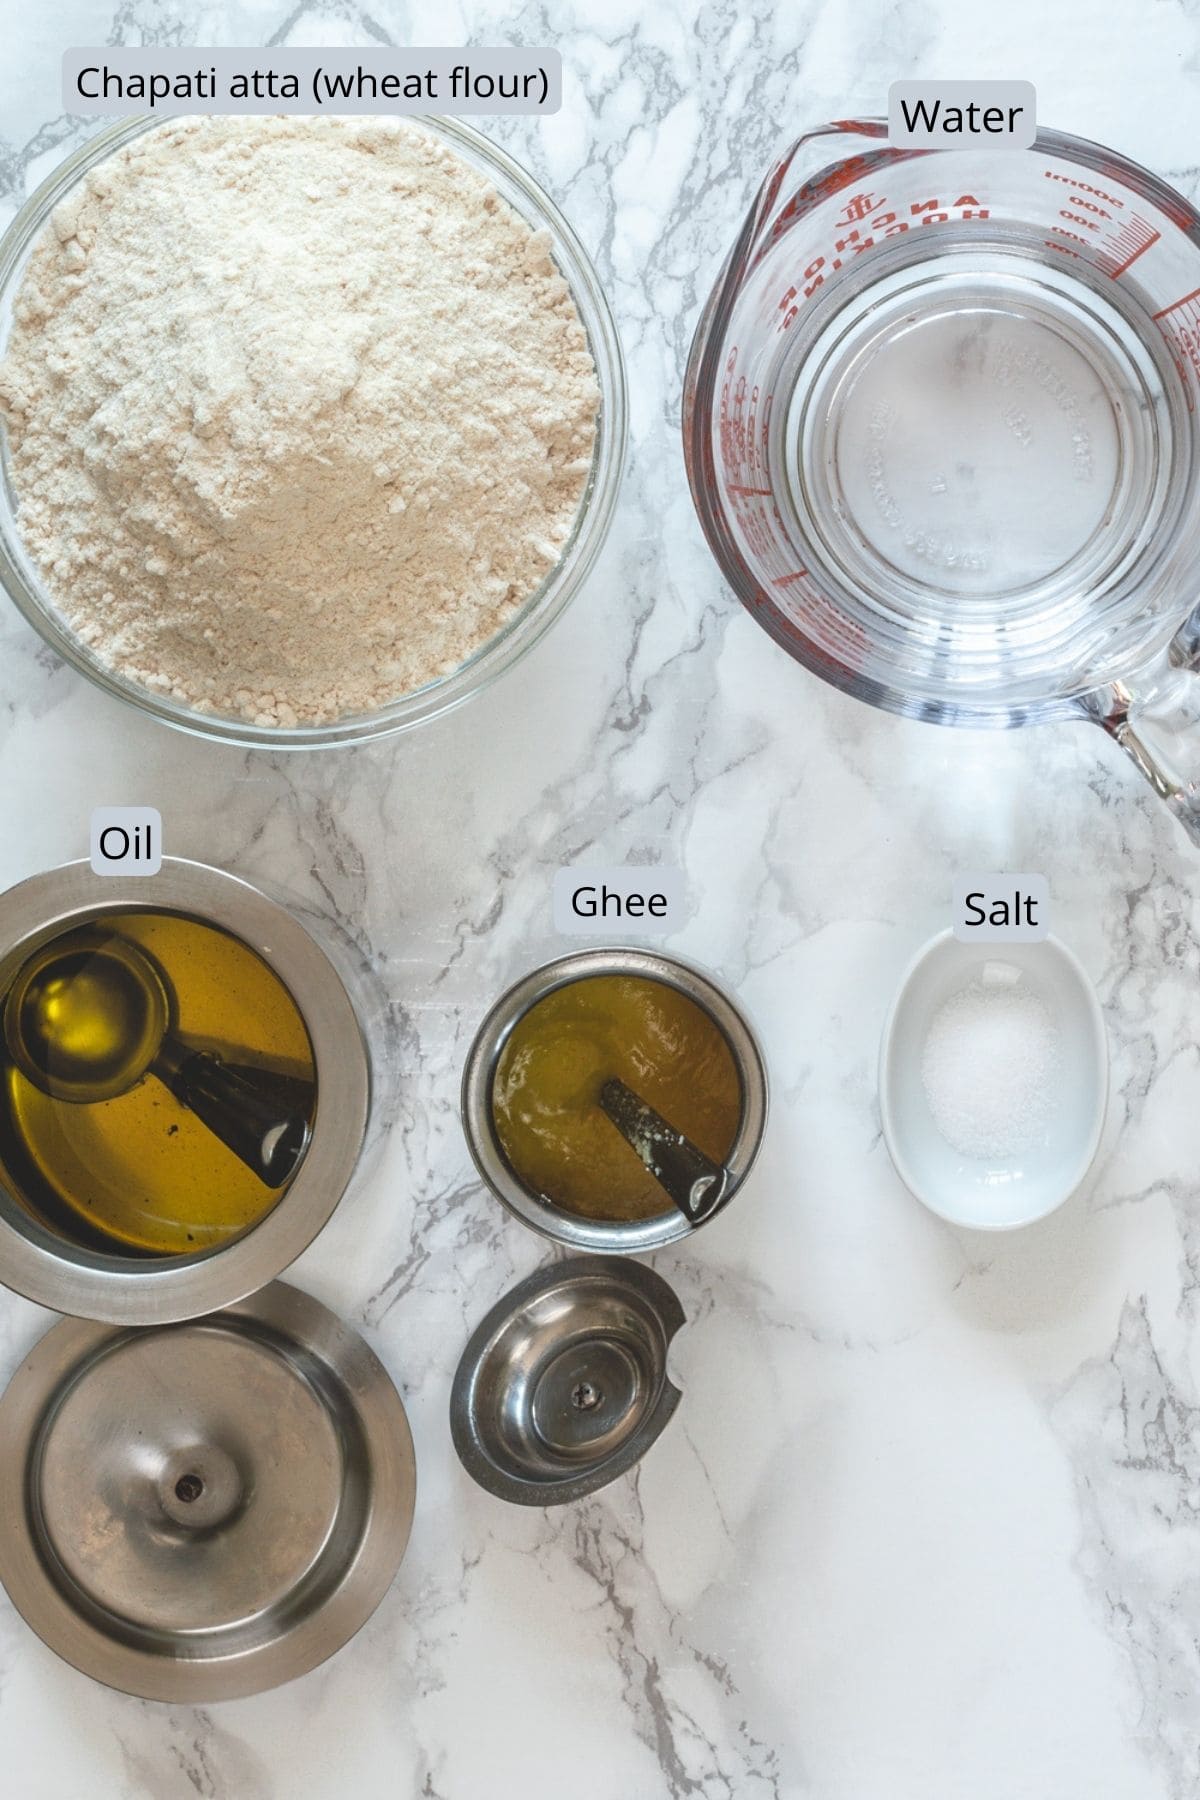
(1175, 305)
(1134, 238)
(1180, 326)
(1084, 187)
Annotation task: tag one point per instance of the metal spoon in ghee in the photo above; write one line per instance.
(693, 1181)
(87, 1018)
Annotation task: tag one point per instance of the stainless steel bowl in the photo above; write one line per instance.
(564, 1384)
(71, 1278)
(201, 1511)
(614, 1236)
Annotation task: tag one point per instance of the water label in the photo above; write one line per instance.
(168, 79)
(945, 115)
(635, 898)
(126, 840)
(1001, 909)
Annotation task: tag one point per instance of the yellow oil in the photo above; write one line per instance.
(546, 1090)
(140, 1174)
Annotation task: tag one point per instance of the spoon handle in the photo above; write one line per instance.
(696, 1184)
(268, 1133)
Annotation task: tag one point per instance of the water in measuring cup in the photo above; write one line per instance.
(980, 448)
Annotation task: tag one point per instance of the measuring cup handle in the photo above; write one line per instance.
(1156, 721)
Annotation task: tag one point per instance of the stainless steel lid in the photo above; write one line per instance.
(200, 1511)
(564, 1384)
(71, 1278)
(612, 1237)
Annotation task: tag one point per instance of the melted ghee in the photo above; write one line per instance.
(546, 1090)
(140, 1174)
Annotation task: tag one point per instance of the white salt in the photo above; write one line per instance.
(990, 1065)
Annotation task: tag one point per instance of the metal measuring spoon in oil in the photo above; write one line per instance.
(88, 1018)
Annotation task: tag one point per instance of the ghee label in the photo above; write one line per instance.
(647, 900)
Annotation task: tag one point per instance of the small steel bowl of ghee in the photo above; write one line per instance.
(130, 1192)
(531, 1109)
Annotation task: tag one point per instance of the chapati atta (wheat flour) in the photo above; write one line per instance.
(300, 411)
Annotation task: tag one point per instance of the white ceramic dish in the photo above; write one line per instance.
(994, 1194)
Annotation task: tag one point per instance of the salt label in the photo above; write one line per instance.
(1005, 909)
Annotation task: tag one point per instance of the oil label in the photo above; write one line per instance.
(126, 840)
(1003, 909)
(640, 899)
(945, 115)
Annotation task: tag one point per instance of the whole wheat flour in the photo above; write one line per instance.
(300, 412)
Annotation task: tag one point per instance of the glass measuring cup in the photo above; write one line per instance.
(941, 430)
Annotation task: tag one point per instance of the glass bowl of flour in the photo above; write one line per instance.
(311, 427)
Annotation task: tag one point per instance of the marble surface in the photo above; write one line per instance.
(927, 1523)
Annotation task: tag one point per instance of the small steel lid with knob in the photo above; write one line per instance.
(203, 1510)
(564, 1385)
